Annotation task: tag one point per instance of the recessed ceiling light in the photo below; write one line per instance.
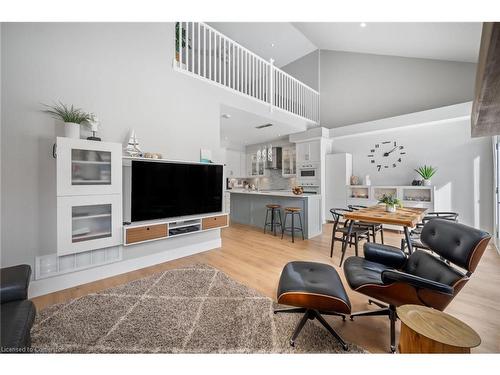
(226, 115)
(272, 44)
(362, 24)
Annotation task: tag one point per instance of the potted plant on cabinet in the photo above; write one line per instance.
(71, 116)
(426, 172)
(182, 38)
(391, 202)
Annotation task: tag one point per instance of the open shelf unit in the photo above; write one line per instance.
(154, 230)
(410, 196)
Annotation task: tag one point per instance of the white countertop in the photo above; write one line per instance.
(275, 193)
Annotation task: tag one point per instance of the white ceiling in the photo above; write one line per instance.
(456, 41)
(259, 37)
(239, 130)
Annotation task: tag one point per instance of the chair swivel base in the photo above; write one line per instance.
(389, 311)
(310, 314)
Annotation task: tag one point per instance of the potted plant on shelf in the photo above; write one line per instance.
(71, 116)
(182, 38)
(426, 172)
(391, 202)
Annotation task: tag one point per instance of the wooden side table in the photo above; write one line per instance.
(426, 330)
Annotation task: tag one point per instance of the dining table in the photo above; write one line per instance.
(406, 217)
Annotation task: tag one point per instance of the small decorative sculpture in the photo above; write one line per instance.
(354, 180)
(132, 148)
(93, 124)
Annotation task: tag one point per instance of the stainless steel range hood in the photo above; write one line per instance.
(275, 163)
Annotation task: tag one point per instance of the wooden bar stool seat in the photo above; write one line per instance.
(292, 211)
(275, 211)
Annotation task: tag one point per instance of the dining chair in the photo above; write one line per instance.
(374, 228)
(341, 225)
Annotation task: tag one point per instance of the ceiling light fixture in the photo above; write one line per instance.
(362, 24)
(226, 115)
(272, 44)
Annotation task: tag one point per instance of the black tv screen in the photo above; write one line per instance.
(163, 190)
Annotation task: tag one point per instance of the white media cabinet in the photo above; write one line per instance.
(153, 230)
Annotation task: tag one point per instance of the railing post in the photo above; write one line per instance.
(271, 85)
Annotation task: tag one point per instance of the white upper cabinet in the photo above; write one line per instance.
(308, 151)
(88, 167)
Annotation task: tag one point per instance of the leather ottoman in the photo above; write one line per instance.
(315, 289)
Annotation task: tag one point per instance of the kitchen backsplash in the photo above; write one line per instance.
(275, 181)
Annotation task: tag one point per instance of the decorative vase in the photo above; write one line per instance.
(390, 208)
(72, 130)
(427, 182)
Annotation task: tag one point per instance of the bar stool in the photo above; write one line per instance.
(292, 211)
(273, 208)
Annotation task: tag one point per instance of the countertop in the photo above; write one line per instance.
(275, 193)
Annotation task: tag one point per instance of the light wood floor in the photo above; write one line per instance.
(256, 260)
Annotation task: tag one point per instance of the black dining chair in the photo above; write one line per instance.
(341, 225)
(373, 227)
(416, 242)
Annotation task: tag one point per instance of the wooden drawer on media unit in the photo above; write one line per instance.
(214, 222)
(145, 233)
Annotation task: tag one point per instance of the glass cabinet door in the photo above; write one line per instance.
(88, 167)
(88, 223)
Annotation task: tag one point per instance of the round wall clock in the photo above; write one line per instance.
(387, 154)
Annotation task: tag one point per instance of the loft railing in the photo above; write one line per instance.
(208, 54)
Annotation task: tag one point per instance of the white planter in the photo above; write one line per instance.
(427, 182)
(72, 130)
(390, 208)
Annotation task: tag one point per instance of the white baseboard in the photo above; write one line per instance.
(54, 284)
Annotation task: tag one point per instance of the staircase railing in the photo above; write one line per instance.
(206, 53)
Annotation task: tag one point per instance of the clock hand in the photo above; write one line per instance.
(387, 153)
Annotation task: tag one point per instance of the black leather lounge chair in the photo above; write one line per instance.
(388, 275)
(17, 312)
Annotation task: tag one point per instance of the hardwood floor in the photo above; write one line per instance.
(256, 260)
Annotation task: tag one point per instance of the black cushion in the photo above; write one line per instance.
(388, 255)
(14, 283)
(453, 241)
(359, 271)
(17, 318)
(312, 278)
(428, 266)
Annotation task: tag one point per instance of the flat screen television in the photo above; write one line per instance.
(166, 189)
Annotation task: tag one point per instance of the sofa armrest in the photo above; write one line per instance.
(14, 282)
(390, 276)
(387, 255)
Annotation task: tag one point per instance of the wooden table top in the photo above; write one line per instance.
(406, 216)
(438, 326)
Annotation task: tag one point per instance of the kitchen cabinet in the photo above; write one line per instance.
(308, 151)
(256, 165)
(288, 165)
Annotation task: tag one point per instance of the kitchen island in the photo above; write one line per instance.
(249, 207)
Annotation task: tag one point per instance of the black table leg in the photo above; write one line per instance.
(408, 242)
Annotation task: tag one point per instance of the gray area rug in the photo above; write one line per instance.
(190, 310)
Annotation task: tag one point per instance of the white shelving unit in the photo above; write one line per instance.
(89, 196)
(410, 196)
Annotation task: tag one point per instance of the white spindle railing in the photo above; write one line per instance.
(206, 53)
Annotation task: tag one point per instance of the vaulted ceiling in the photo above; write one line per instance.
(286, 42)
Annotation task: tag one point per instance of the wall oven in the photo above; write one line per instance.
(308, 172)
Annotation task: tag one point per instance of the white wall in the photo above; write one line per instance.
(464, 180)
(306, 69)
(120, 71)
(357, 87)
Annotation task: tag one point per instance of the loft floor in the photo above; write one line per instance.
(256, 260)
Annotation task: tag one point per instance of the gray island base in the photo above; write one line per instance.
(249, 208)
